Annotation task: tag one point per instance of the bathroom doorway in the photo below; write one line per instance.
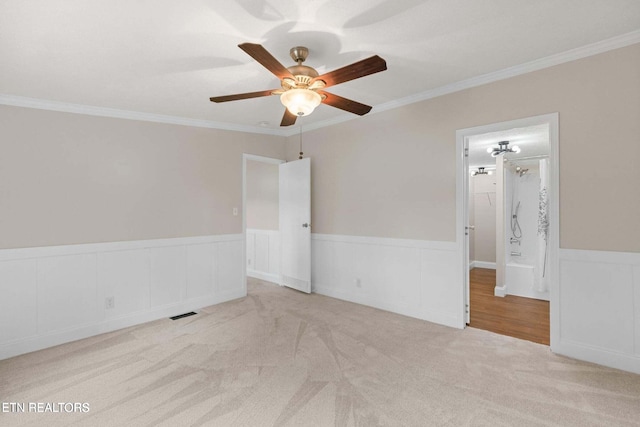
(510, 225)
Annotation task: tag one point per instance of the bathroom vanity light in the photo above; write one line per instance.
(503, 147)
(482, 171)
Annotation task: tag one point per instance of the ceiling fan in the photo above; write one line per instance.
(302, 86)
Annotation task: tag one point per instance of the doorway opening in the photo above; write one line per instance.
(261, 219)
(277, 253)
(508, 174)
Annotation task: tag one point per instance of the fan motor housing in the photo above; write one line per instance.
(302, 73)
(299, 53)
(303, 70)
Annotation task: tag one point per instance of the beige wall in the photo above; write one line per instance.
(262, 195)
(483, 211)
(382, 175)
(68, 178)
(392, 174)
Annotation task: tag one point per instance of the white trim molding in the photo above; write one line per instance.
(500, 291)
(482, 264)
(528, 67)
(411, 277)
(53, 295)
(599, 303)
(90, 110)
(87, 248)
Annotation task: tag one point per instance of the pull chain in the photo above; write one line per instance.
(301, 153)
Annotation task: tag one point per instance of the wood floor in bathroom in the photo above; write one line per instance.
(519, 317)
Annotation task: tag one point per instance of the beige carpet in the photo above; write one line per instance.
(279, 357)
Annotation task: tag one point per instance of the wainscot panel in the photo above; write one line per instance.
(600, 307)
(53, 295)
(263, 254)
(409, 277)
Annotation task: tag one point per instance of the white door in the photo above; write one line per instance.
(295, 224)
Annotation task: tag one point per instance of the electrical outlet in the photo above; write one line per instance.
(357, 282)
(235, 211)
(109, 303)
(249, 261)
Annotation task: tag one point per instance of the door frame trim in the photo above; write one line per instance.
(462, 188)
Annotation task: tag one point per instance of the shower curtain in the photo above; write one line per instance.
(540, 279)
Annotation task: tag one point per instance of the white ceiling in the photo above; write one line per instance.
(168, 57)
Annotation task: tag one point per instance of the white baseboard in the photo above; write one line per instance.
(55, 295)
(482, 264)
(599, 355)
(500, 291)
(269, 277)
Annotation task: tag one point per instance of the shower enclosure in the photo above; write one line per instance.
(524, 226)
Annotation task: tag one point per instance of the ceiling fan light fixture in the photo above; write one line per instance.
(300, 102)
(302, 87)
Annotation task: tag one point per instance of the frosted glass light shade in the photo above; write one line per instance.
(300, 102)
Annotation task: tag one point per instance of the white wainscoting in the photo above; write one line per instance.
(411, 277)
(263, 254)
(53, 295)
(599, 306)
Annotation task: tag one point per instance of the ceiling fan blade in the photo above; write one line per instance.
(241, 96)
(356, 70)
(345, 104)
(288, 119)
(267, 60)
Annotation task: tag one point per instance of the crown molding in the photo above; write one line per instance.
(539, 64)
(44, 104)
(290, 131)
